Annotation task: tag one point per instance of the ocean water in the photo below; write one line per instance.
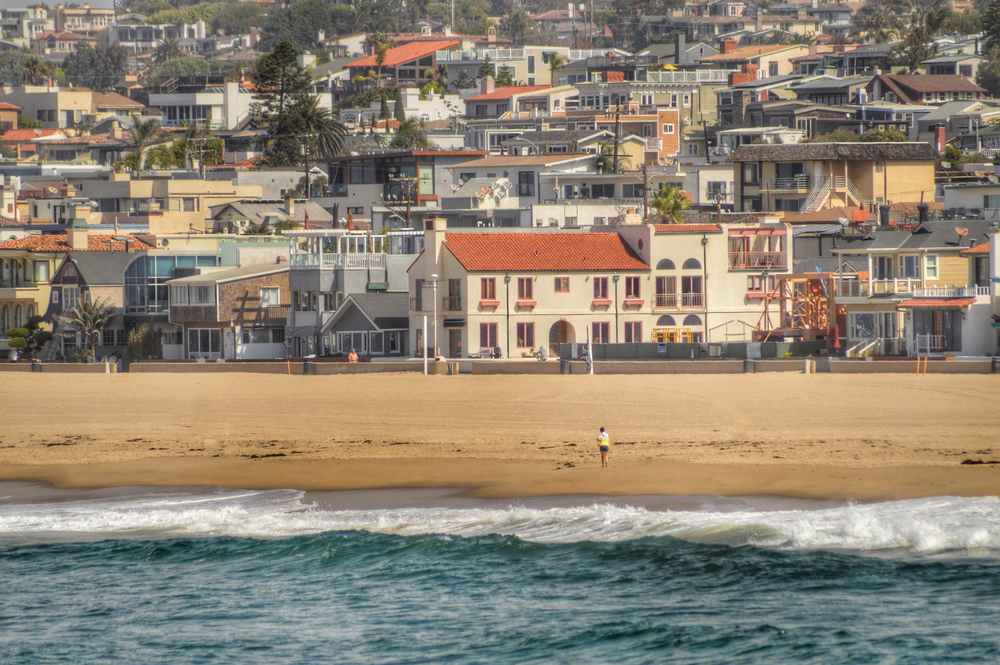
(221, 576)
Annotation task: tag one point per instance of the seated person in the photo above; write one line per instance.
(352, 357)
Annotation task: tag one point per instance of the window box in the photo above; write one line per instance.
(634, 302)
(489, 304)
(601, 302)
(525, 304)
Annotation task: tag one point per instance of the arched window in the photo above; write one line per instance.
(5, 320)
(666, 320)
(692, 264)
(31, 312)
(17, 317)
(692, 320)
(665, 264)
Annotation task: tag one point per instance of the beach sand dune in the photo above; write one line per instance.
(823, 435)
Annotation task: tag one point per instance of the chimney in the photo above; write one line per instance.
(434, 232)
(78, 230)
(923, 211)
(729, 45)
(491, 35)
(680, 46)
(290, 205)
(254, 36)
(487, 85)
(940, 138)
(883, 215)
(116, 130)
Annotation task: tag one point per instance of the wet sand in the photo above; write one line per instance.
(822, 436)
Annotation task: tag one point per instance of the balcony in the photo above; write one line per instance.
(950, 291)
(416, 304)
(332, 261)
(663, 302)
(797, 183)
(695, 76)
(451, 303)
(245, 315)
(757, 260)
(853, 288)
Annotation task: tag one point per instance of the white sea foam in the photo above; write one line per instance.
(919, 526)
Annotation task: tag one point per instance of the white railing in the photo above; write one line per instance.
(666, 301)
(695, 76)
(928, 344)
(817, 195)
(584, 53)
(855, 192)
(879, 346)
(883, 286)
(745, 260)
(797, 182)
(851, 288)
(951, 291)
(495, 54)
(336, 260)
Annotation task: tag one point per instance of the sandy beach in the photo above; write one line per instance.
(866, 437)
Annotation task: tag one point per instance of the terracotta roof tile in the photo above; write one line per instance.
(7, 106)
(745, 52)
(8, 223)
(56, 242)
(533, 252)
(28, 134)
(978, 249)
(400, 54)
(687, 228)
(505, 92)
(936, 303)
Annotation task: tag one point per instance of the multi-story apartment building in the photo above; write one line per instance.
(517, 291)
(85, 20)
(213, 103)
(55, 107)
(806, 177)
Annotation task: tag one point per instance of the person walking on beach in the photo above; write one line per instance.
(604, 443)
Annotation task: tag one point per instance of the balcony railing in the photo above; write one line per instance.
(929, 343)
(854, 288)
(747, 260)
(695, 76)
(477, 55)
(416, 304)
(951, 291)
(798, 182)
(675, 301)
(888, 286)
(879, 346)
(359, 261)
(452, 303)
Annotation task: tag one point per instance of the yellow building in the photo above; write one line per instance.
(807, 177)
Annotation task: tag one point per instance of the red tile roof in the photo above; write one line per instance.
(28, 134)
(978, 249)
(936, 303)
(56, 242)
(505, 92)
(8, 223)
(687, 228)
(7, 106)
(64, 36)
(532, 252)
(400, 54)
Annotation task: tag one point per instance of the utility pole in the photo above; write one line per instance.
(618, 125)
(200, 142)
(408, 183)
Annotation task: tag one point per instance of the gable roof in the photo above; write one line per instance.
(114, 100)
(505, 92)
(56, 242)
(255, 211)
(539, 252)
(982, 249)
(232, 274)
(400, 54)
(924, 83)
(100, 267)
(7, 106)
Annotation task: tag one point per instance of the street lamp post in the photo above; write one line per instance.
(434, 286)
(615, 279)
(506, 282)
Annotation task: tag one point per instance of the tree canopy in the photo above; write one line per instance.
(96, 68)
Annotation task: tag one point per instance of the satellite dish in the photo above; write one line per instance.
(53, 190)
(946, 165)
(992, 178)
(961, 231)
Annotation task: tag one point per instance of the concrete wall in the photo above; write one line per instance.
(60, 368)
(910, 367)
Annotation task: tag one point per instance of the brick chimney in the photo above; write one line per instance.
(487, 85)
(940, 137)
(729, 45)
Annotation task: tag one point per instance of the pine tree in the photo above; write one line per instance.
(282, 90)
(991, 27)
(399, 113)
(384, 113)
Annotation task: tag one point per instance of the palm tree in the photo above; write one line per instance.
(88, 319)
(326, 128)
(411, 136)
(670, 202)
(515, 25)
(144, 134)
(167, 49)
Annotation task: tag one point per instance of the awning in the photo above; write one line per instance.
(936, 303)
(454, 323)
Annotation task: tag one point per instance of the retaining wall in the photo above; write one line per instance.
(61, 368)
(910, 366)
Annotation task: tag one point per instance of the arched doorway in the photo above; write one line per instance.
(561, 332)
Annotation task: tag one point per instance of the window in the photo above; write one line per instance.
(647, 130)
(772, 68)
(454, 301)
(525, 335)
(686, 100)
(360, 210)
(270, 297)
(69, 270)
(673, 101)
(691, 291)
(70, 295)
(531, 64)
(751, 174)
(41, 271)
(108, 337)
(256, 336)
(755, 283)
(465, 177)
(632, 190)
(862, 325)
(277, 335)
(487, 335)
(481, 110)
(204, 343)
(172, 338)
(525, 288)
(600, 288)
(179, 295)
(883, 267)
(601, 332)
(632, 287)
(930, 266)
(879, 166)
(55, 299)
(605, 191)
(202, 295)
(909, 266)
(488, 288)
(692, 149)
(562, 285)
(633, 332)
(526, 183)
(418, 295)
(668, 128)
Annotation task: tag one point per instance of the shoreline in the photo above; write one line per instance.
(512, 479)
